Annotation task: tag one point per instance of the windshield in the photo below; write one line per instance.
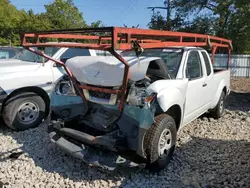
(26, 55)
(171, 56)
(7, 53)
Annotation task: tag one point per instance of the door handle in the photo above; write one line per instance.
(204, 84)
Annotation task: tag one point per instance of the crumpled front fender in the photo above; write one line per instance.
(169, 97)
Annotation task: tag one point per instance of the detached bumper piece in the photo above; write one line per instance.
(78, 144)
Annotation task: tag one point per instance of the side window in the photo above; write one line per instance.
(193, 68)
(73, 52)
(102, 53)
(207, 63)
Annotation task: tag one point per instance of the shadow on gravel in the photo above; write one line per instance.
(197, 162)
(212, 163)
(238, 101)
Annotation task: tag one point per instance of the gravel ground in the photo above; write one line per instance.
(240, 84)
(209, 153)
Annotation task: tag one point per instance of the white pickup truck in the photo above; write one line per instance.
(25, 84)
(167, 89)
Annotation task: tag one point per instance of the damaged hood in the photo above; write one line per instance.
(107, 71)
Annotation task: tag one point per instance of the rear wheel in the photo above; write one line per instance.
(24, 111)
(219, 109)
(160, 142)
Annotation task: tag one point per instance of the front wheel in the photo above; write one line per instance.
(24, 111)
(160, 142)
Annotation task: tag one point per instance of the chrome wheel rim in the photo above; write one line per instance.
(165, 142)
(28, 112)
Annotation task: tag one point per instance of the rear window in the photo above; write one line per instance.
(207, 63)
(73, 52)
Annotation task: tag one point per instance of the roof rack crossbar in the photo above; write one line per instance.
(121, 38)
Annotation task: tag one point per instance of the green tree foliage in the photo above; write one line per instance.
(34, 22)
(227, 18)
(200, 24)
(9, 19)
(160, 23)
(61, 14)
(238, 29)
(64, 14)
(98, 23)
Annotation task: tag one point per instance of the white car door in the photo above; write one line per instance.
(194, 71)
(209, 88)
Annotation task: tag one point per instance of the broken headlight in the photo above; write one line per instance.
(64, 87)
(150, 98)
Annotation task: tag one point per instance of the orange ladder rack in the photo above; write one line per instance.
(117, 38)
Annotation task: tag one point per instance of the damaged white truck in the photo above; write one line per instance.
(134, 102)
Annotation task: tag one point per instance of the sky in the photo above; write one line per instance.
(110, 12)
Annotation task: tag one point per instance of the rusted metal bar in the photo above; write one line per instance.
(159, 45)
(125, 78)
(69, 45)
(114, 39)
(213, 53)
(115, 36)
(155, 33)
(228, 59)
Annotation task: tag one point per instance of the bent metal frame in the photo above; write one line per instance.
(117, 38)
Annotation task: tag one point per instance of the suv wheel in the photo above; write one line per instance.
(24, 111)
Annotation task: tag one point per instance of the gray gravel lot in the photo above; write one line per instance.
(209, 153)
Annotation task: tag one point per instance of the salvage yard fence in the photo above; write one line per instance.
(239, 64)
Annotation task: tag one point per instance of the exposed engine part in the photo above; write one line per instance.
(101, 119)
(137, 92)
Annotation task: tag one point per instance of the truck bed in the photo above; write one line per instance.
(219, 70)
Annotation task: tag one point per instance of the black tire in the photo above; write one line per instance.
(15, 108)
(219, 109)
(157, 162)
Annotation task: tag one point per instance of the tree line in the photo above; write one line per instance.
(227, 18)
(223, 18)
(60, 14)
